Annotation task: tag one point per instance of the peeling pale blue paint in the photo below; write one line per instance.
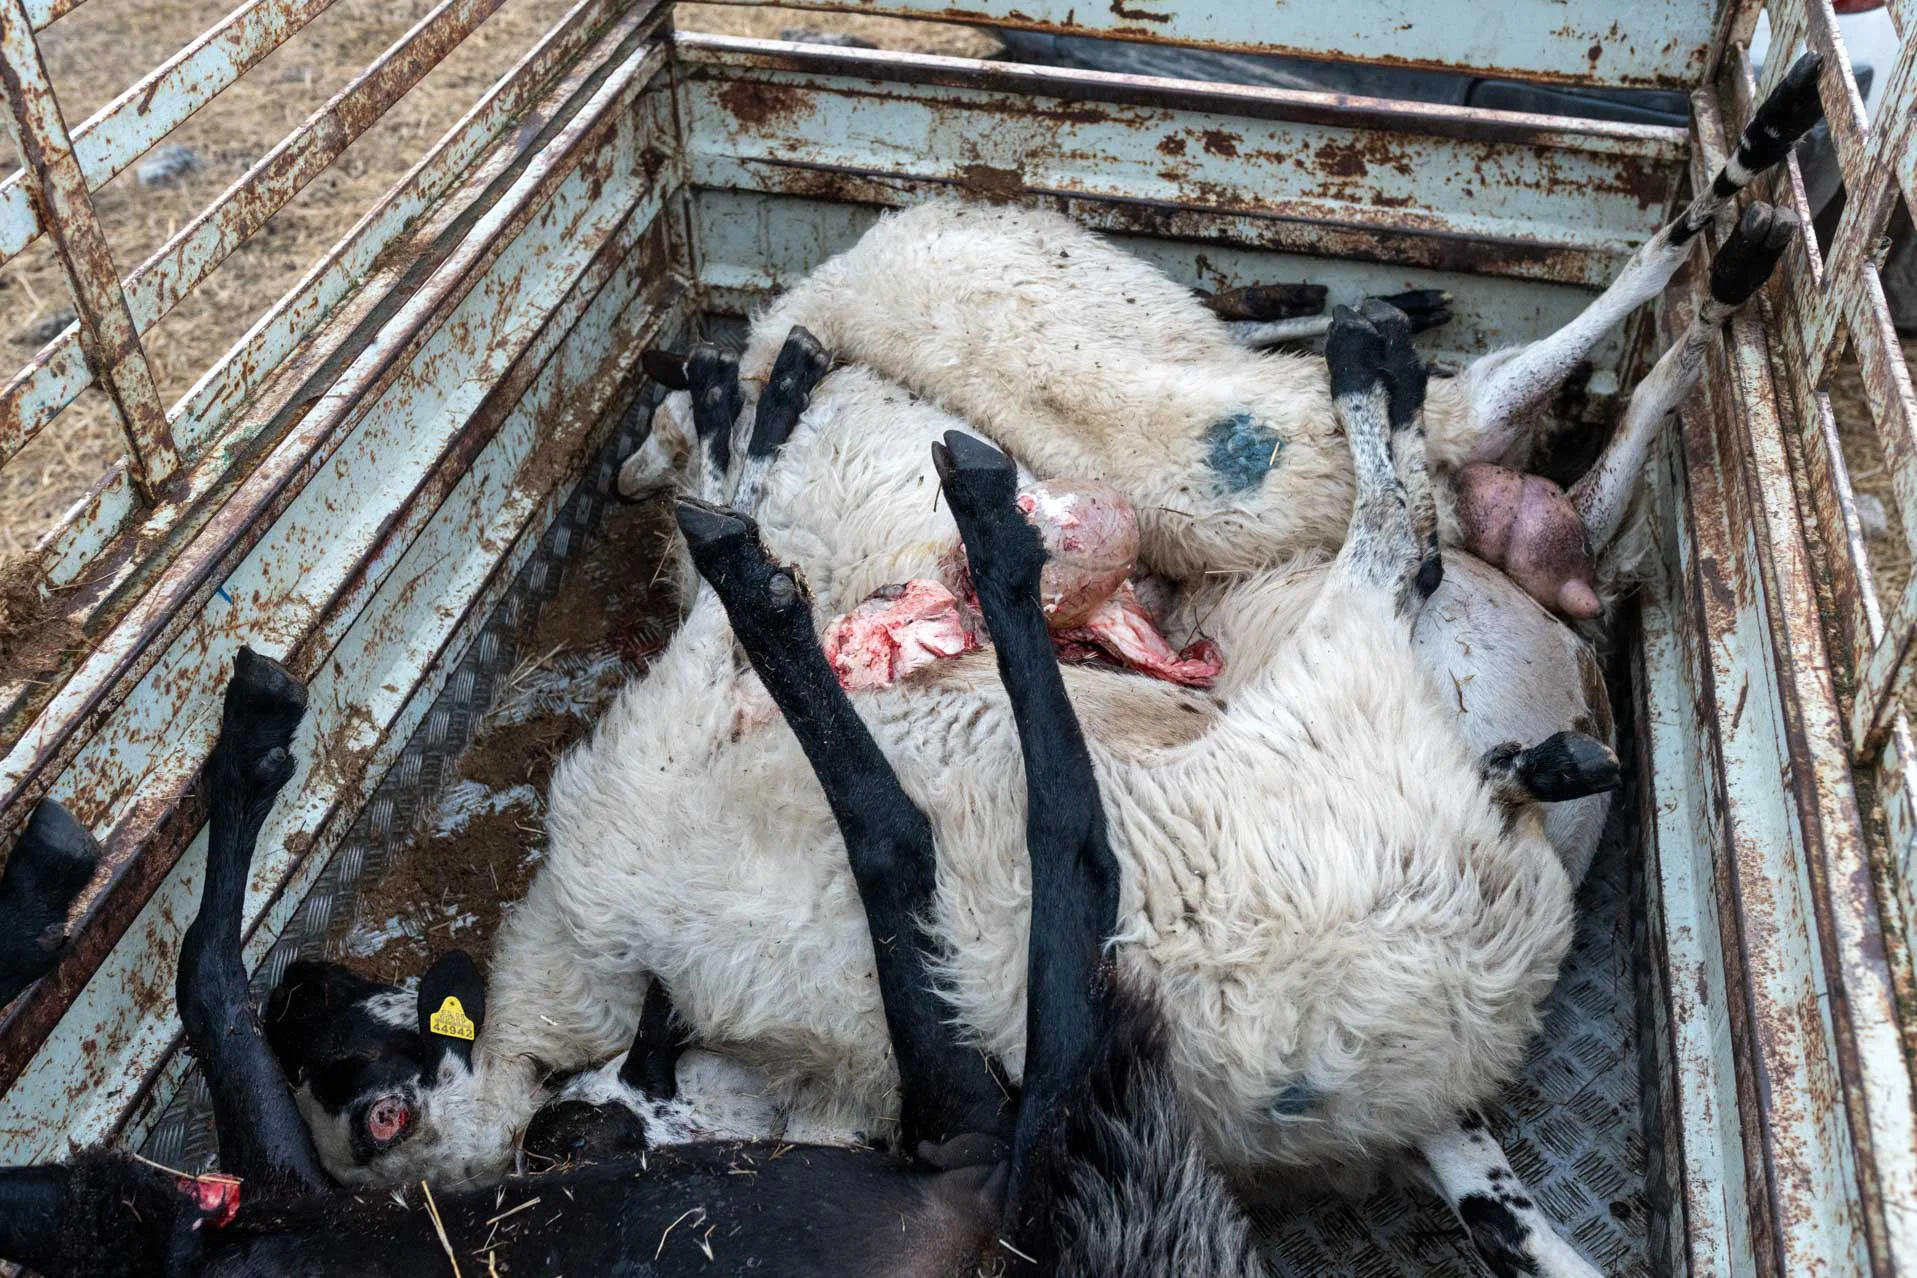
(1240, 451)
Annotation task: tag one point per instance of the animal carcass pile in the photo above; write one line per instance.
(1052, 822)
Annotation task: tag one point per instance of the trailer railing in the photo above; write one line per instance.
(351, 484)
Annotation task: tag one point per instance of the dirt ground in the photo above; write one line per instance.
(100, 49)
(471, 857)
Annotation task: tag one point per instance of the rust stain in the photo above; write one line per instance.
(989, 182)
(755, 103)
(1171, 144)
(1134, 14)
(1220, 142)
(1342, 160)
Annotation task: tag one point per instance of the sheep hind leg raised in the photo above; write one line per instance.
(262, 1135)
(1504, 386)
(1108, 1175)
(1377, 388)
(1563, 548)
(1738, 269)
(947, 1089)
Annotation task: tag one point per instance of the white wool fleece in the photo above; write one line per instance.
(1349, 938)
(1085, 362)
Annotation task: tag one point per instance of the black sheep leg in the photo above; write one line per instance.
(1074, 874)
(262, 1136)
(946, 1087)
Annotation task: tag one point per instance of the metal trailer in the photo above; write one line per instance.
(393, 464)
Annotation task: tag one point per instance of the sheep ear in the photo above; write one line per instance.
(452, 1006)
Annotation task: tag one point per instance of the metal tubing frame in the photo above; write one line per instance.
(592, 146)
(1792, 1055)
(105, 327)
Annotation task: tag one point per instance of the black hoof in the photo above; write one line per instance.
(1266, 302)
(262, 685)
(1423, 307)
(981, 486)
(264, 705)
(668, 368)
(1748, 257)
(706, 526)
(1402, 369)
(264, 702)
(976, 477)
(52, 861)
(54, 858)
(1354, 352)
(727, 552)
(802, 364)
(1567, 766)
(1793, 109)
(963, 454)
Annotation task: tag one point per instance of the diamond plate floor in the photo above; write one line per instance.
(1571, 1124)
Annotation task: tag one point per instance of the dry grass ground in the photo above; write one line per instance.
(103, 47)
(1890, 558)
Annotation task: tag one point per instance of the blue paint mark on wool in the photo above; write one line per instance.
(1240, 451)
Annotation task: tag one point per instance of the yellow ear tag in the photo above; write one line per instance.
(451, 1020)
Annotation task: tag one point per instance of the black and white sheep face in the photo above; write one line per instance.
(371, 1065)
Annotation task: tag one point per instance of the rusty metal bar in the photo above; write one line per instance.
(1800, 1164)
(105, 330)
(126, 655)
(1247, 101)
(1667, 43)
(581, 43)
(267, 374)
(1819, 1110)
(1834, 908)
(1386, 182)
(1686, 942)
(44, 13)
(116, 135)
(45, 386)
(51, 381)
